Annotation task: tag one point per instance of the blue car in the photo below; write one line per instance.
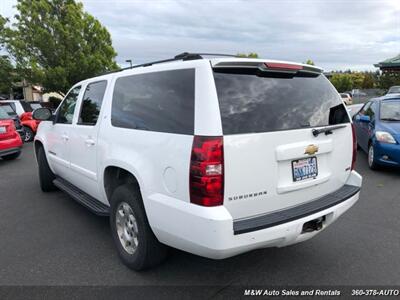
(377, 127)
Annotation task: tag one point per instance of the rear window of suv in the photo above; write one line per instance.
(159, 101)
(251, 104)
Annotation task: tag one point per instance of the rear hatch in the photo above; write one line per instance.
(7, 129)
(273, 156)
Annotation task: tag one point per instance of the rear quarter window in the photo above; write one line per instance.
(159, 101)
(251, 104)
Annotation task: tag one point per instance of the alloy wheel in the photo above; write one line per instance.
(371, 155)
(127, 228)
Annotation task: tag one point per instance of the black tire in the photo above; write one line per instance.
(29, 135)
(46, 176)
(149, 252)
(372, 164)
(11, 156)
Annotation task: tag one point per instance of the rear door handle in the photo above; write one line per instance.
(89, 142)
(65, 137)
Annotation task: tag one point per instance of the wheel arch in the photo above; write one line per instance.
(37, 144)
(114, 176)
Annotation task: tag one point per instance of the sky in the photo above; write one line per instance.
(335, 34)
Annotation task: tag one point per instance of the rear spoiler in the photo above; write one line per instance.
(268, 67)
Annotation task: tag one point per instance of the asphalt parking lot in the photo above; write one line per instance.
(48, 239)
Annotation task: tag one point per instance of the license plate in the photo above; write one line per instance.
(304, 168)
(2, 129)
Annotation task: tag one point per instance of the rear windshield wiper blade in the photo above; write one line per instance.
(327, 130)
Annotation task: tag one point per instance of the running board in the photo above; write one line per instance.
(80, 196)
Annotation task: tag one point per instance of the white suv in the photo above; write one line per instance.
(211, 156)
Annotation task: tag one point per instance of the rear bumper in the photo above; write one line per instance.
(10, 145)
(392, 151)
(211, 232)
(9, 151)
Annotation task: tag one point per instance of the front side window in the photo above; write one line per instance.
(65, 113)
(250, 103)
(365, 108)
(390, 110)
(91, 103)
(370, 111)
(159, 101)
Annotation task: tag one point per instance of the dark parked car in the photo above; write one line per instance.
(377, 127)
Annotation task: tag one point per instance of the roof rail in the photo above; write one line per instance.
(182, 56)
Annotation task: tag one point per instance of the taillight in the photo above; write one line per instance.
(207, 171)
(353, 160)
(10, 127)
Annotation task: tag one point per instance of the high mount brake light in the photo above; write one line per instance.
(206, 181)
(283, 66)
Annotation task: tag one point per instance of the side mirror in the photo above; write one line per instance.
(42, 114)
(365, 119)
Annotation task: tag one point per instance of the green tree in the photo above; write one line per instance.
(6, 75)
(357, 79)
(309, 62)
(368, 82)
(250, 55)
(342, 82)
(6, 68)
(388, 79)
(55, 43)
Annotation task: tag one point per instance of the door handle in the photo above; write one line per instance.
(89, 142)
(65, 137)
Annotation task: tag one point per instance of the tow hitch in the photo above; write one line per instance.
(313, 225)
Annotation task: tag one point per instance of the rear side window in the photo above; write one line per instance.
(91, 103)
(160, 101)
(250, 104)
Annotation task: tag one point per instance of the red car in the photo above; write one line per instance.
(24, 111)
(30, 125)
(10, 141)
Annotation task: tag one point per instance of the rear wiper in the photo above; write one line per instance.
(327, 129)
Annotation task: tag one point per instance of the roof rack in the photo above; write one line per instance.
(183, 56)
